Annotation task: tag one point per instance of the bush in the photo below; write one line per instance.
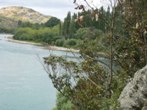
(70, 42)
(47, 35)
(63, 103)
(59, 42)
(24, 34)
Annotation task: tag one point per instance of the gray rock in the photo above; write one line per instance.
(134, 95)
(145, 106)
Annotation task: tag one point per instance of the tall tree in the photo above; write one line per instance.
(66, 25)
(72, 27)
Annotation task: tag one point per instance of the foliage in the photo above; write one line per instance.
(24, 34)
(88, 33)
(110, 55)
(52, 22)
(7, 30)
(29, 24)
(87, 91)
(69, 31)
(60, 42)
(47, 35)
(70, 42)
(72, 23)
(131, 49)
(66, 25)
(63, 103)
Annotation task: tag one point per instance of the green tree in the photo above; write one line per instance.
(53, 21)
(72, 27)
(84, 83)
(95, 81)
(66, 25)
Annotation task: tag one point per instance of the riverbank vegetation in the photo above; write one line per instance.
(109, 58)
(68, 34)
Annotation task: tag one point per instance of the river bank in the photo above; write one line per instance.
(50, 47)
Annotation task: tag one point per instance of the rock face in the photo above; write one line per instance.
(134, 95)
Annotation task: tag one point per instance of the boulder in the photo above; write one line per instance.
(134, 95)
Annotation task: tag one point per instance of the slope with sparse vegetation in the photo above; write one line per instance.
(23, 14)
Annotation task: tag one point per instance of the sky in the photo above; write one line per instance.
(57, 8)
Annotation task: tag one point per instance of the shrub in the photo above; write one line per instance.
(59, 42)
(71, 42)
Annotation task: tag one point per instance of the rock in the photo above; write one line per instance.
(134, 95)
(145, 106)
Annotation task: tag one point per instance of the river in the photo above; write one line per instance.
(24, 85)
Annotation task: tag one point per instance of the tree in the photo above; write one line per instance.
(95, 81)
(87, 90)
(53, 21)
(85, 83)
(66, 25)
(72, 27)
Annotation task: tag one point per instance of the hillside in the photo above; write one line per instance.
(24, 14)
(7, 22)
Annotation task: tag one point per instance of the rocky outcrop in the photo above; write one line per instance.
(134, 95)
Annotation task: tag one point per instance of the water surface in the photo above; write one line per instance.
(24, 85)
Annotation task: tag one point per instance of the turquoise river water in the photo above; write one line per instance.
(24, 85)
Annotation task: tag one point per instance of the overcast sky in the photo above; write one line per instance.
(57, 8)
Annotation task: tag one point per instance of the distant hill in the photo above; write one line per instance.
(23, 14)
(7, 22)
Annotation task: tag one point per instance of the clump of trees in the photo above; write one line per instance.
(72, 23)
(47, 35)
(66, 34)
